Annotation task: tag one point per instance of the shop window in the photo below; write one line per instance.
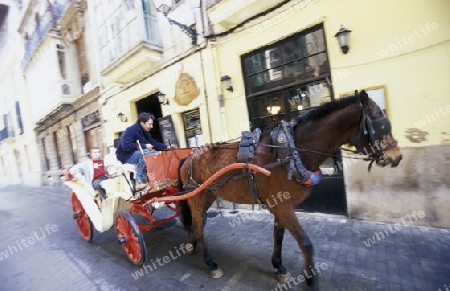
(302, 56)
(193, 128)
(284, 79)
(270, 109)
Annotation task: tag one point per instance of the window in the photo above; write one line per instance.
(3, 26)
(287, 62)
(193, 128)
(19, 118)
(150, 20)
(9, 129)
(61, 60)
(82, 62)
(269, 109)
(119, 28)
(286, 78)
(65, 89)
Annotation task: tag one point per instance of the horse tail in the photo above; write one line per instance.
(186, 216)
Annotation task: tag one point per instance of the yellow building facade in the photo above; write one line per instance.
(402, 63)
(397, 49)
(272, 52)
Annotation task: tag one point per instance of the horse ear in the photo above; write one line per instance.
(364, 97)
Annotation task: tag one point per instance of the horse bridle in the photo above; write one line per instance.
(374, 128)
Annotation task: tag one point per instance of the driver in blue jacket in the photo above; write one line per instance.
(128, 151)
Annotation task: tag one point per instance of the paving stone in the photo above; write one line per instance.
(412, 258)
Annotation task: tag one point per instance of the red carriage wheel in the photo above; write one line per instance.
(130, 238)
(81, 219)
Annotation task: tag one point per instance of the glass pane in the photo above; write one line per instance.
(62, 63)
(255, 63)
(274, 105)
(319, 93)
(292, 50)
(316, 65)
(256, 82)
(298, 100)
(295, 69)
(288, 62)
(315, 42)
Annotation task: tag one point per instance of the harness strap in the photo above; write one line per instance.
(253, 189)
(290, 157)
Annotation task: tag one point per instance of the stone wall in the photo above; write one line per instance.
(420, 183)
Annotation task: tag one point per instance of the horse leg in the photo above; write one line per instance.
(278, 234)
(293, 225)
(198, 223)
(194, 242)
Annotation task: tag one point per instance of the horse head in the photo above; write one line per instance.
(375, 137)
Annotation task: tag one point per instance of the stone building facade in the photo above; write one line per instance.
(174, 57)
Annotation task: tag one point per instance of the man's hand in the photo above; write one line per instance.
(149, 146)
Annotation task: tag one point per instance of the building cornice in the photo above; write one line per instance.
(64, 110)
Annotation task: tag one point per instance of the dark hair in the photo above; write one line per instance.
(144, 117)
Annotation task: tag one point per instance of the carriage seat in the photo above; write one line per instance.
(129, 168)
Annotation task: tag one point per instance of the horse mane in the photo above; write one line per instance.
(327, 108)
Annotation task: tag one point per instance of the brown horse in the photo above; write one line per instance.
(301, 149)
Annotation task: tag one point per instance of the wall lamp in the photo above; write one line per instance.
(343, 37)
(226, 81)
(162, 98)
(191, 32)
(122, 117)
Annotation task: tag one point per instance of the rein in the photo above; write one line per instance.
(374, 128)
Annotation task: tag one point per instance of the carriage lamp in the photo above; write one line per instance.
(226, 81)
(343, 36)
(162, 98)
(122, 117)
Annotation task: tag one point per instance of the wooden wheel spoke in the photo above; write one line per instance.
(81, 218)
(134, 245)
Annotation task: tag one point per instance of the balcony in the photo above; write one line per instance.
(227, 14)
(144, 57)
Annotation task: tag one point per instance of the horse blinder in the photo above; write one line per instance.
(381, 126)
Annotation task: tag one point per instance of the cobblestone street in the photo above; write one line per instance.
(41, 250)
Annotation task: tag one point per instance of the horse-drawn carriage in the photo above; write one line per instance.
(122, 200)
(294, 150)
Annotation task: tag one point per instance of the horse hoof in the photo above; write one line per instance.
(283, 278)
(189, 249)
(216, 273)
